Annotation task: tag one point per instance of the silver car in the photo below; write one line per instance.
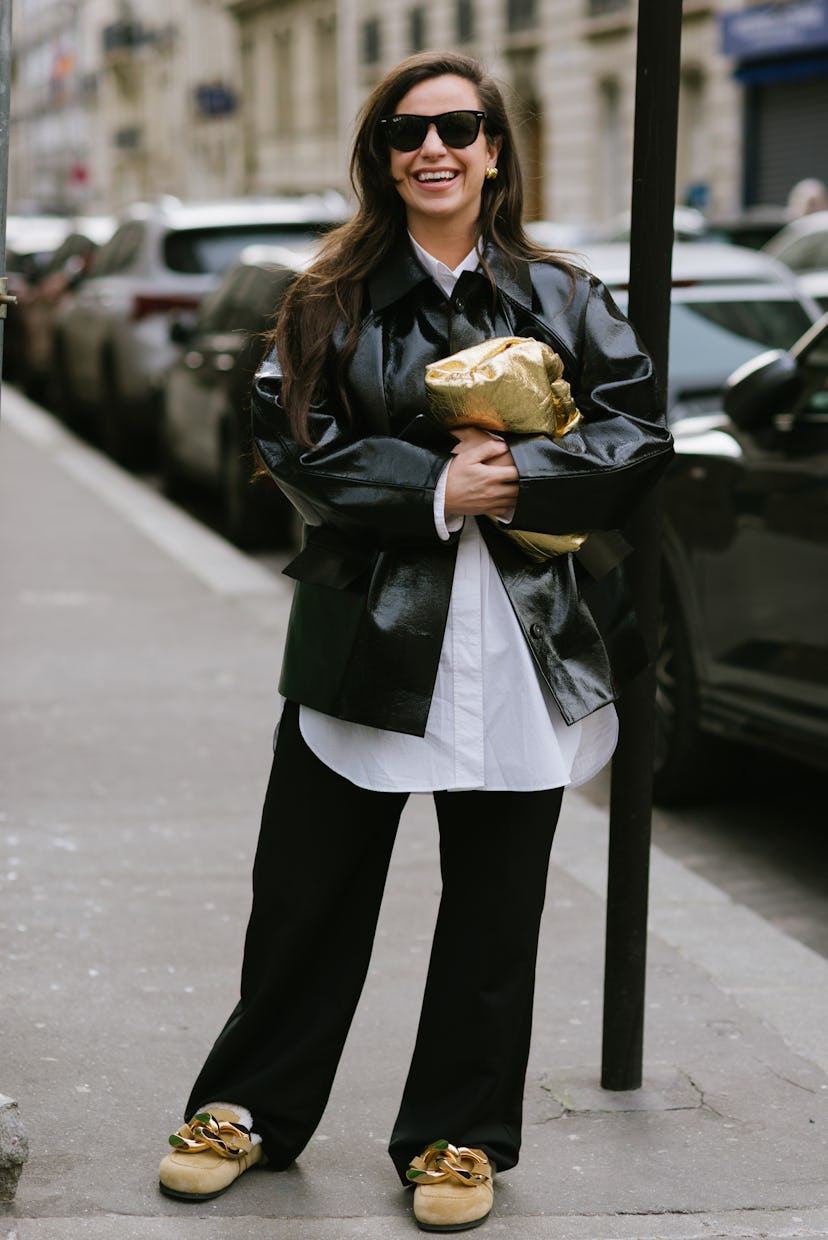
(112, 346)
(802, 246)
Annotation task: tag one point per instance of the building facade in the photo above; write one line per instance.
(112, 100)
(567, 66)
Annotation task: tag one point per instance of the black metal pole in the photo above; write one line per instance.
(651, 241)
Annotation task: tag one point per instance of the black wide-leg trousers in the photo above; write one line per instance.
(318, 878)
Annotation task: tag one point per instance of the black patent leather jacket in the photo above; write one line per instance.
(374, 579)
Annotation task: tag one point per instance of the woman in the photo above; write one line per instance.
(425, 651)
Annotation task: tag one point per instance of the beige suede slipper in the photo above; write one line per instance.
(453, 1187)
(209, 1154)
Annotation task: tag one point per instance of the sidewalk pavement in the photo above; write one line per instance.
(139, 662)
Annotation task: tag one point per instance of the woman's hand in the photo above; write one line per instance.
(482, 478)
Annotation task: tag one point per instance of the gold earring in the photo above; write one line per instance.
(491, 174)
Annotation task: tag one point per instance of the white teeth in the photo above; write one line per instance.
(436, 176)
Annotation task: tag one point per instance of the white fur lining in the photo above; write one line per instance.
(244, 1117)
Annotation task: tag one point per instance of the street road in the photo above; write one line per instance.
(764, 840)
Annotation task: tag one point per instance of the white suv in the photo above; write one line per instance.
(112, 345)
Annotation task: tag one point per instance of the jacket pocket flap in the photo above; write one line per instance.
(327, 563)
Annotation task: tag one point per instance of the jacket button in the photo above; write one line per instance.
(459, 305)
(536, 630)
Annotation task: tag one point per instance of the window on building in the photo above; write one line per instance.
(416, 29)
(613, 186)
(283, 79)
(371, 42)
(326, 72)
(693, 143)
(520, 15)
(600, 8)
(464, 21)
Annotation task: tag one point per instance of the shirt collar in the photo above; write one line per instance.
(403, 271)
(446, 277)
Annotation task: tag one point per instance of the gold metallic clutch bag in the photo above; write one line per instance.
(510, 383)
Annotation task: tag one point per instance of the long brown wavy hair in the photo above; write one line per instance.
(331, 291)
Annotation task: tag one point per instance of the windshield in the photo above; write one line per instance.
(809, 253)
(710, 338)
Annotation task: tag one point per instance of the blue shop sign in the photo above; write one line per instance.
(215, 99)
(775, 30)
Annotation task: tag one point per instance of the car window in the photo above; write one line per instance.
(217, 312)
(807, 253)
(245, 299)
(710, 338)
(771, 324)
(201, 250)
(269, 290)
(121, 249)
(814, 360)
(75, 245)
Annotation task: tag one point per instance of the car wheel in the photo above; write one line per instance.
(115, 433)
(241, 514)
(255, 514)
(172, 478)
(63, 400)
(34, 385)
(682, 762)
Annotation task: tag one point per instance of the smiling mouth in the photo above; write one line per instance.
(431, 178)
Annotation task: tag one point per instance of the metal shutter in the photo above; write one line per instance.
(791, 128)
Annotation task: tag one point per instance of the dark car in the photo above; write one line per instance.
(744, 583)
(205, 410)
(744, 642)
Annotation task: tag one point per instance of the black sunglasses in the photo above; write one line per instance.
(407, 132)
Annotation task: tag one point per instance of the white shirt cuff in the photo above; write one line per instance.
(445, 525)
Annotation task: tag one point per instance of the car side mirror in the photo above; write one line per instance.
(761, 388)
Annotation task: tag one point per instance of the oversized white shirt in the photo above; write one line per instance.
(493, 724)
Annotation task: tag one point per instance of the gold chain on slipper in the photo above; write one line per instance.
(205, 1132)
(441, 1162)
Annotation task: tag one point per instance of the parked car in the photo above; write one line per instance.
(16, 286)
(743, 651)
(802, 245)
(112, 346)
(30, 242)
(204, 430)
(751, 226)
(42, 302)
(689, 225)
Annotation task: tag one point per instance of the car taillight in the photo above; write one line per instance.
(145, 304)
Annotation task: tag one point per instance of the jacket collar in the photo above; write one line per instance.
(401, 272)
